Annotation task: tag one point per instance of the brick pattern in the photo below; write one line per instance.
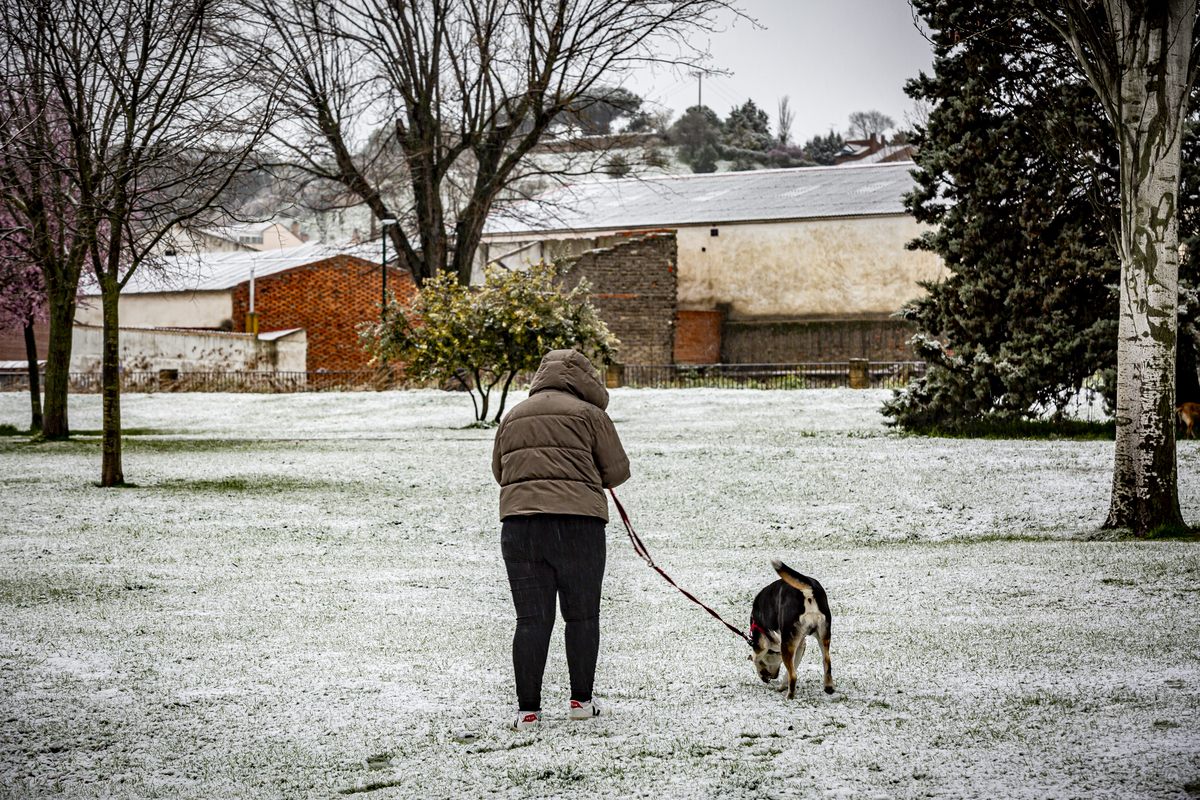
(12, 342)
(634, 287)
(698, 337)
(746, 342)
(329, 299)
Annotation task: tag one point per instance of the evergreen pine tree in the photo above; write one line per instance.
(821, 150)
(748, 128)
(1014, 164)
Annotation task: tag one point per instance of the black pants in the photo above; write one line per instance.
(549, 555)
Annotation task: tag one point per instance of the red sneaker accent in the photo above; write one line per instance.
(576, 704)
(529, 718)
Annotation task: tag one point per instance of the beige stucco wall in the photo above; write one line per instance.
(810, 267)
(192, 351)
(277, 237)
(825, 267)
(165, 310)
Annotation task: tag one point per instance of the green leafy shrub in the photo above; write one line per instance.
(486, 336)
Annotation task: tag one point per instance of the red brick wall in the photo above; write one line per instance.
(801, 341)
(12, 342)
(698, 337)
(329, 299)
(633, 288)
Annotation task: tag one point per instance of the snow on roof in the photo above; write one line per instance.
(234, 230)
(882, 154)
(201, 272)
(681, 200)
(23, 366)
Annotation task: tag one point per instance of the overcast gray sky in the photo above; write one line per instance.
(832, 57)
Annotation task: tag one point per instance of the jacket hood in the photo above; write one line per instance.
(570, 371)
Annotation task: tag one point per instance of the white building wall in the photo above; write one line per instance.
(830, 267)
(165, 310)
(825, 267)
(192, 351)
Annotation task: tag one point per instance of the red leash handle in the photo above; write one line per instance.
(640, 548)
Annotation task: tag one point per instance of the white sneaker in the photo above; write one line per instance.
(592, 708)
(525, 720)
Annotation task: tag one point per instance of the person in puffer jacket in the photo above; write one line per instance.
(555, 454)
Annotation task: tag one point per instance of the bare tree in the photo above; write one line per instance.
(784, 120)
(160, 122)
(462, 91)
(865, 124)
(40, 205)
(1141, 59)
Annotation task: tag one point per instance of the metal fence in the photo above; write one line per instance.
(721, 376)
(262, 382)
(768, 376)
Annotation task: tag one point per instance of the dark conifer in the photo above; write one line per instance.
(1014, 164)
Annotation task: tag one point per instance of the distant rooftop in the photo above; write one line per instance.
(680, 200)
(200, 272)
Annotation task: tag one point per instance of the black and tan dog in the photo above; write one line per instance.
(784, 614)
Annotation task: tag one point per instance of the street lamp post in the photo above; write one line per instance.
(383, 306)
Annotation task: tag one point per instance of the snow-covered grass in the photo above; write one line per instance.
(303, 596)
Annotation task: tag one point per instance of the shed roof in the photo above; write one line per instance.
(774, 195)
(201, 272)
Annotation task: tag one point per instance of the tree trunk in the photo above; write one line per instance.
(1152, 97)
(110, 466)
(58, 365)
(35, 389)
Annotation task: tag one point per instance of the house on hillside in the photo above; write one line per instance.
(235, 238)
(874, 151)
(324, 290)
(770, 266)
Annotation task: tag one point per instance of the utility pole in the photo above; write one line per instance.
(699, 88)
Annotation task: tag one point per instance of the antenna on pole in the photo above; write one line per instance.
(699, 75)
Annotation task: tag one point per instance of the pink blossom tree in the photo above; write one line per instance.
(40, 211)
(160, 125)
(22, 303)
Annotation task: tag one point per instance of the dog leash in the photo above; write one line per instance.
(640, 548)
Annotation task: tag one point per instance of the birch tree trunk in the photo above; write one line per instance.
(1151, 98)
(1138, 56)
(1145, 489)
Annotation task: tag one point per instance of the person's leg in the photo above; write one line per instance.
(532, 582)
(579, 569)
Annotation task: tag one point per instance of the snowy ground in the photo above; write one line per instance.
(303, 597)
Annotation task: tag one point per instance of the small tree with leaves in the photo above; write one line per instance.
(487, 336)
(697, 133)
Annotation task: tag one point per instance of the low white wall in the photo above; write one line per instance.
(165, 310)
(193, 351)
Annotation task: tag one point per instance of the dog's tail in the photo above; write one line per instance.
(790, 576)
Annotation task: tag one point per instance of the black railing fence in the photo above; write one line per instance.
(720, 376)
(769, 376)
(264, 382)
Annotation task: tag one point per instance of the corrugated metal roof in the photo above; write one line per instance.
(201, 272)
(726, 197)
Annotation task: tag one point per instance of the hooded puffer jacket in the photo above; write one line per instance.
(557, 451)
